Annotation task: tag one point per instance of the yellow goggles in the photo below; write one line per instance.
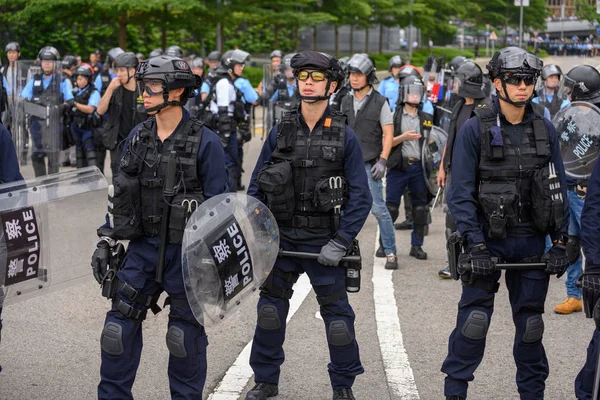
(316, 76)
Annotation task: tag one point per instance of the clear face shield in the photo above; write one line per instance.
(565, 88)
(412, 94)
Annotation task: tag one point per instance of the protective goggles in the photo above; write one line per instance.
(152, 86)
(522, 60)
(515, 79)
(317, 76)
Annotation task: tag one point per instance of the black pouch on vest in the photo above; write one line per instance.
(542, 210)
(127, 207)
(325, 197)
(500, 204)
(285, 140)
(181, 209)
(276, 182)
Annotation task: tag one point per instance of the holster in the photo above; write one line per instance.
(109, 285)
(455, 247)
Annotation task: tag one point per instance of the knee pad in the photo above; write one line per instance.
(394, 211)
(476, 325)
(573, 249)
(268, 317)
(534, 329)
(176, 342)
(420, 215)
(339, 334)
(111, 341)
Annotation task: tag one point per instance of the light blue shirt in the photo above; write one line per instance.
(27, 92)
(291, 89)
(98, 81)
(389, 89)
(205, 88)
(428, 106)
(248, 92)
(94, 97)
(550, 97)
(5, 83)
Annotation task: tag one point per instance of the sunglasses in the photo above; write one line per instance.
(515, 79)
(317, 76)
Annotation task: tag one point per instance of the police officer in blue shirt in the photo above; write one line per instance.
(310, 146)
(47, 89)
(9, 172)
(389, 86)
(82, 107)
(504, 206)
(548, 96)
(108, 73)
(167, 82)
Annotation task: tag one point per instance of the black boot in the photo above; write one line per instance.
(39, 165)
(454, 398)
(404, 225)
(343, 394)
(261, 391)
(380, 253)
(418, 253)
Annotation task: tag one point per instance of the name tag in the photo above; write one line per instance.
(37, 83)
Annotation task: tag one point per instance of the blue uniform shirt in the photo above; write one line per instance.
(94, 97)
(590, 221)
(427, 106)
(389, 89)
(205, 88)
(5, 83)
(357, 208)
(291, 89)
(98, 81)
(9, 165)
(27, 92)
(462, 194)
(248, 92)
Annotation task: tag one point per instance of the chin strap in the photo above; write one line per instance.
(514, 103)
(314, 99)
(166, 102)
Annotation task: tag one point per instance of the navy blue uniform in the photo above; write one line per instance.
(9, 172)
(267, 349)
(527, 288)
(590, 241)
(186, 374)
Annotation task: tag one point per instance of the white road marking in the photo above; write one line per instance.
(395, 360)
(233, 383)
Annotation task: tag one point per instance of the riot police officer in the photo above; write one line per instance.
(121, 107)
(155, 53)
(309, 147)
(369, 115)
(108, 72)
(47, 89)
(286, 95)
(336, 99)
(389, 86)
(167, 83)
(214, 57)
(468, 85)
(547, 95)
(503, 163)
(174, 51)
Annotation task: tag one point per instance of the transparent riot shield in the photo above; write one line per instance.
(48, 229)
(229, 247)
(268, 84)
(443, 116)
(431, 156)
(38, 114)
(16, 77)
(578, 131)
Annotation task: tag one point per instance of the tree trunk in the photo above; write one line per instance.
(351, 39)
(367, 40)
(380, 38)
(123, 30)
(315, 38)
(163, 30)
(276, 29)
(337, 41)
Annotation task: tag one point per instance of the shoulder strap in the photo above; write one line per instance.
(541, 137)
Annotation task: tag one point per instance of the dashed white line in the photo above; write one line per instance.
(395, 360)
(233, 383)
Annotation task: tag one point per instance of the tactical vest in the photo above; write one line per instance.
(81, 119)
(144, 165)
(366, 124)
(507, 171)
(112, 127)
(105, 78)
(553, 106)
(284, 99)
(336, 104)
(314, 158)
(50, 96)
(395, 159)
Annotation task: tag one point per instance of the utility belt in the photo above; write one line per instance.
(82, 121)
(411, 161)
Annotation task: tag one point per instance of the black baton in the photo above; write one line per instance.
(169, 194)
(314, 256)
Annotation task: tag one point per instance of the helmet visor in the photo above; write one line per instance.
(412, 94)
(522, 61)
(566, 87)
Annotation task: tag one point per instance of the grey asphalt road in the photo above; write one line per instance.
(50, 345)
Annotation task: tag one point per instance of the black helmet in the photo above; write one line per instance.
(409, 70)
(214, 56)
(470, 80)
(49, 53)
(549, 70)
(126, 60)
(310, 59)
(514, 59)
(174, 72)
(69, 61)
(234, 57)
(112, 55)
(155, 53)
(84, 70)
(456, 62)
(344, 63)
(411, 85)
(395, 61)
(286, 63)
(198, 62)
(174, 51)
(363, 64)
(276, 53)
(12, 46)
(586, 84)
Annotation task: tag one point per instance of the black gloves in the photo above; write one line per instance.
(481, 262)
(106, 250)
(556, 259)
(590, 284)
